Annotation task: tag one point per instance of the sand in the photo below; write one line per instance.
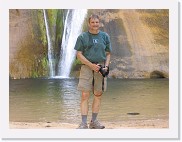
(135, 124)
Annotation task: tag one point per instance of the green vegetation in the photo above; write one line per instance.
(52, 15)
(56, 26)
(59, 33)
(41, 24)
(76, 65)
(34, 75)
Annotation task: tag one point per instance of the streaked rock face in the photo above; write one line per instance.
(26, 47)
(139, 41)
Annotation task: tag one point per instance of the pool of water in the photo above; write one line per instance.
(48, 100)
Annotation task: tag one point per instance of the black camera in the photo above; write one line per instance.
(103, 71)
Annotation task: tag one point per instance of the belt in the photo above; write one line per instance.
(101, 63)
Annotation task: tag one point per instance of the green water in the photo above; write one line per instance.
(48, 100)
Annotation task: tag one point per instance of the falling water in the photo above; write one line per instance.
(72, 28)
(50, 47)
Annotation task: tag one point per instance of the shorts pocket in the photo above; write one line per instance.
(85, 72)
(85, 79)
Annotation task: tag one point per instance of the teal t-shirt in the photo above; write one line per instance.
(94, 46)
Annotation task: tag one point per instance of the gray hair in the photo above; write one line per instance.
(93, 16)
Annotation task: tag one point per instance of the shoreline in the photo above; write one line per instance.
(130, 124)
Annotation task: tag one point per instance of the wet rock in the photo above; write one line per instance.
(133, 113)
(158, 74)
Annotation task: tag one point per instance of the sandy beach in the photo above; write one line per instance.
(135, 124)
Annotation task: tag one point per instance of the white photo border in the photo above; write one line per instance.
(171, 133)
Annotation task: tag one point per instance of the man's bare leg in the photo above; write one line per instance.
(95, 124)
(96, 102)
(84, 106)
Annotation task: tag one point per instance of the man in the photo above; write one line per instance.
(93, 49)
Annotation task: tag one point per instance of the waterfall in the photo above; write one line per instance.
(50, 47)
(72, 28)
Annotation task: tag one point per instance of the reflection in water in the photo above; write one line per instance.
(64, 96)
(71, 100)
(43, 100)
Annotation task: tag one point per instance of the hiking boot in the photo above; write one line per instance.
(83, 126)
(96, 125)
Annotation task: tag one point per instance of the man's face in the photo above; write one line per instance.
(94, 24)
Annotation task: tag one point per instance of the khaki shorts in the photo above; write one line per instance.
(86, 80)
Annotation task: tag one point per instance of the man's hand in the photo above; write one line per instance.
(95, 67)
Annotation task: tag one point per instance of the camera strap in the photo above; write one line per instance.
(103, 81)
(102, 84)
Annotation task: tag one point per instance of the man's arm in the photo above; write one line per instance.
(87, 62)
(108, 57)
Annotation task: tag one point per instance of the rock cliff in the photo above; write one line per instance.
(139, 41)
